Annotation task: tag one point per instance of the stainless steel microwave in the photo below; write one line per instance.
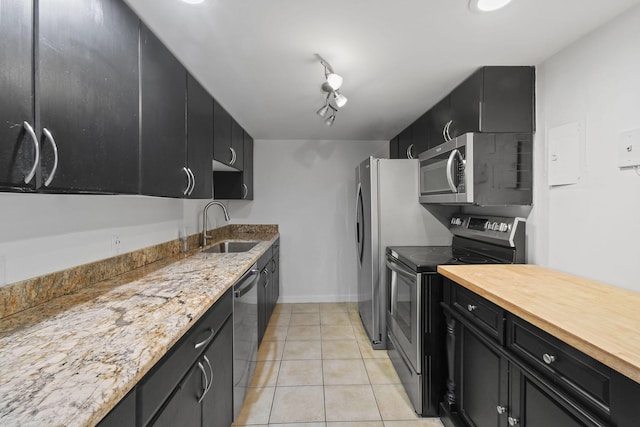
(485, 169)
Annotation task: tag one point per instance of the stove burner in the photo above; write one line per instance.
(473, 260)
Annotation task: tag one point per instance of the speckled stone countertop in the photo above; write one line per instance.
(70, 360)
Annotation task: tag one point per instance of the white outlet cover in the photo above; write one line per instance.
(116, 245)
(629, 149)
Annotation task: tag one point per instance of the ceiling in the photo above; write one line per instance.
(397, 57)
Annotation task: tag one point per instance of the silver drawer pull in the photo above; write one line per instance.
(36, 147)
(205, 342)
(513, 421)
(501, 409)
(548, 358)
(471, 307)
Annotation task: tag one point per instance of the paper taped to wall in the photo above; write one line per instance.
(564, 154)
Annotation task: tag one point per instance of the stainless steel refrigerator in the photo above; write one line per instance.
(388, 213)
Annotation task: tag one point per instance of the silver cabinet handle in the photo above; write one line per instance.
(513, 421)
(410, 152)
(445, 131)
(206, 359)
(193, 180)
(205, 342)
(548, 358)
(233, 156)
(206, 382)
(52, 141)
(246, 191)
(273, 265)
(186, 190)
(36, 147)
(471, 307)
(501, 409)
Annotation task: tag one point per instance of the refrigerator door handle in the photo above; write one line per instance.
(359, 225)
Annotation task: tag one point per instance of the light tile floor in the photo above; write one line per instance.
(316, 368)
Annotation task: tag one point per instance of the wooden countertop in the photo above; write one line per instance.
(69, 361)
(600, 320)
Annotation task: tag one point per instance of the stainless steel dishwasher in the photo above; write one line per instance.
(245, 334)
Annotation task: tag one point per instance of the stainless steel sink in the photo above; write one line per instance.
(231, 246)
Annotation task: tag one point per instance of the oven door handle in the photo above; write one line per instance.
(400, 269)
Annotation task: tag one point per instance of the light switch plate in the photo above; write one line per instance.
(629, 149)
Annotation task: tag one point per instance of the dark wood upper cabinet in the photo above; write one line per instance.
(494, 99)
(17, 147)
(404, 143)
(436, 119)
(247, 170)
(419, 136)
(237, 144)
(199, 139)
(87, 96)
(393, 148)
(221, 134)
(163, 132)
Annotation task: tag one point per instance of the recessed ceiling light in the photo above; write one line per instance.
(193, 1)
(487, 5)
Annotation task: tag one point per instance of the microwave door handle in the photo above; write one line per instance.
(452, 184)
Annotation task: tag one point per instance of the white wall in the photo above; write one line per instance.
(42, 233)
(307, 187)
(591, 229)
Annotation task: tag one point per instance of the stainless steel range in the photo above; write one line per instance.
(415, 323)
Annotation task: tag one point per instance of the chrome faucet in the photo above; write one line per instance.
(204, 219)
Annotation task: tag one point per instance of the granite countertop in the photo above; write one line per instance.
(69, 361)
(600, 320)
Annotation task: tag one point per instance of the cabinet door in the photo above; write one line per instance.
(275, 275)
(419, 136)
(247, 168)
(88, 95)
(534, 404)
(465, 105)
(404, 143)
(237, 145)
(394, 148)
(217, 405)
(162, 141)
(436, 119)
(182, 408)
(199, 139)
(221, 134)
(482, 380)
(263, 285)
(17, 147)
(124, 413)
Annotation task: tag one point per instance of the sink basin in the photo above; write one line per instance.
(231, 246)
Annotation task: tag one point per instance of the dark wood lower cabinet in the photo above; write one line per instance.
(497, 380)
(482, 373)
(183, 408)
(217, 405)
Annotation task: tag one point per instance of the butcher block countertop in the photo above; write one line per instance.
(600, 320)
(69, 361)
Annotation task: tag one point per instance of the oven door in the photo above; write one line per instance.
(403, 310)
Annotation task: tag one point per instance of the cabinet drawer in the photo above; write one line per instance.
(485, 314)
(584, 377)
(158, 384)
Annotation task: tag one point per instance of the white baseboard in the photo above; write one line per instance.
(299, 299)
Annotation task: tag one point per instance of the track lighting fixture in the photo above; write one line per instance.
(332, 83)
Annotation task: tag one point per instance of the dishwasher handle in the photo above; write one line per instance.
(246, 283)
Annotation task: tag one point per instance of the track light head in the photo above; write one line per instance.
(334, 81)
(340, 99)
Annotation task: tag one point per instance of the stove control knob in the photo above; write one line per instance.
(503, 226)
(494, 226)
(458, 221)
(487, 225)
(453, 221)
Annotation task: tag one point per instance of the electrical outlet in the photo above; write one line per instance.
(629, 149)
(116, 245)
(3, 270)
